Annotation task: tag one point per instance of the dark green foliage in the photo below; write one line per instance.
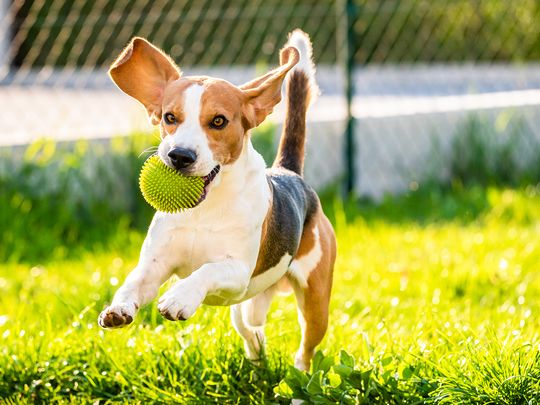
(344, 382)
(441, 30)
(493, 376)
(206, 33)
(503, 153)
(264, 142)
(58, 199)
(431, 203)
(241, 32)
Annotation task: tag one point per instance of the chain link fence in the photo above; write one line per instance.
(419, 70)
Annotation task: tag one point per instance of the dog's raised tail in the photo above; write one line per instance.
(300, 90)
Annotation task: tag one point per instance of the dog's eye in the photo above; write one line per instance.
(219, 122)
(169, 118)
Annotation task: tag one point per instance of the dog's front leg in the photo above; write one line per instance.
(140, 287)
(227, 279)
(142, 284)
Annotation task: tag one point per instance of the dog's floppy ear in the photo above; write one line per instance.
(264, 92)
(142, 71)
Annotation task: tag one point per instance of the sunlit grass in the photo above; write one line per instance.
(437, 292)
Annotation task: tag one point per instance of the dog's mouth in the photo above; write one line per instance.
(207, 180)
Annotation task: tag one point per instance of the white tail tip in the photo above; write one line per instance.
(300, 40)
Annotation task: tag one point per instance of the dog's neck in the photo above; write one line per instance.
(248, 162)
(237, 178)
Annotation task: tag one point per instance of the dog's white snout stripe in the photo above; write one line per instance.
(190, 135)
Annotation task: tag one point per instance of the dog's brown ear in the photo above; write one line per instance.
(142, 71)
(264, 92)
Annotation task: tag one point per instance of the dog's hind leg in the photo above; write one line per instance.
(313, 319)
(311, 277)
(248, 319)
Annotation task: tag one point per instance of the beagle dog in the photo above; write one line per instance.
(255, 231)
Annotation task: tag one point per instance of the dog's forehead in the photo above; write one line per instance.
(219, 93)
(216, 93)
(175, 91)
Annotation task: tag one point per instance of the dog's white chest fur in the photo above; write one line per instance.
(227, 225)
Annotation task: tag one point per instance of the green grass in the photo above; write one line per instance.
(435, 297)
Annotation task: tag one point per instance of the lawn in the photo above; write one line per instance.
(436, 298)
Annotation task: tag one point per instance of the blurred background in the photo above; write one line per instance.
(424, 147)
(415, 94)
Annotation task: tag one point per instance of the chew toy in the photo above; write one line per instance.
(167, 190)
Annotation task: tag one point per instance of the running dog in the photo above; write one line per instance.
(255, 231)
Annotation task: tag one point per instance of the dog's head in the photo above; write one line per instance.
(203, 121)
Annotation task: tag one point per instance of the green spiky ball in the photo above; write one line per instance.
(167, 190)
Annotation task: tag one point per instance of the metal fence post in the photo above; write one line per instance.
(346, 16)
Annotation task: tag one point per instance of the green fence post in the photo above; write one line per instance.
(346, 16)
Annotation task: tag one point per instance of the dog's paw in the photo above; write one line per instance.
(302, 361)
(117, 316)
(180, 302)
(254, 345)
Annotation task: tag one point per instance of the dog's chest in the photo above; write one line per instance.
(213, 239)
(226, 226)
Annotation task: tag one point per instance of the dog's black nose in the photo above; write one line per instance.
(182, 158)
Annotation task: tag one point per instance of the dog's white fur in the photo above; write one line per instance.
(300, 269)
